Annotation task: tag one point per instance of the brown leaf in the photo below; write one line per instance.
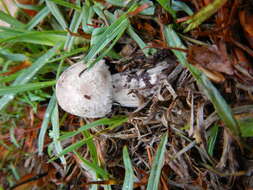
(79, 34)
(17, 68)
(209, 57)
(243, 60)
(102, 182)
(4, 153)
(31, 13)
(246, 20)
(28, 181)
(139, 9)
(243, 67)
(145, 28)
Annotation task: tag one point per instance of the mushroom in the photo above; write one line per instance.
(85, 92)
(91, 92)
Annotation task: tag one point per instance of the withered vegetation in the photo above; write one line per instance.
(202, 152)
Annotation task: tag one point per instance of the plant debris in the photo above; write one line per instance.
(181, 87)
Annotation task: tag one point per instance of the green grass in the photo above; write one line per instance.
(212, 139)
(155, 173)
(111, 122)
(48, 114)
(203, 14)
(129, 174)
(10, 20)
(25, 87)
(28, 74)
(55, 133)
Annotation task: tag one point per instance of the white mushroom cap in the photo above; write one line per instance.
(85, 92)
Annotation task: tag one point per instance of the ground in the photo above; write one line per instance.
(191, 127)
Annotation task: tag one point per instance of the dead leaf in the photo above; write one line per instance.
(139, 9)
(31, 13)
(28, 181)
(209, 57)
(243, 67)
(145, 28)
(17, 68)
(246, 20)
(102, 182)
(80, 33)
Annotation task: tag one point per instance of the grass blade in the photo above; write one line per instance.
(129, 174)
(134, 36)
(212, 139)
(57, 13)
(48, 38)
(246, 127)
(203, 14)
(29, 73)
(109, 35)
(10, 77)
(91, 166)
(107, 50)
(87, 19)
(166, 5)
(45, 123)
(120, 3)
(28, 7)
(38, 18)
(74, 25)
(65, 55)
(25, 87)
(140, 42)
(181, 6)
(150, 11)
(11, 20)
(67, 4)
(74, 146)
(220, 105)
(55, 133)
(154, 177)
(8, 55)
(114, 124)
(92, 147)
(117, 120)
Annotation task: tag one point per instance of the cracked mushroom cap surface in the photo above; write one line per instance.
(85, 92)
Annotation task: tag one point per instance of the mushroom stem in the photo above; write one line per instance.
(129, 86)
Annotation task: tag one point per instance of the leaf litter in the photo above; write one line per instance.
(200, 152)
